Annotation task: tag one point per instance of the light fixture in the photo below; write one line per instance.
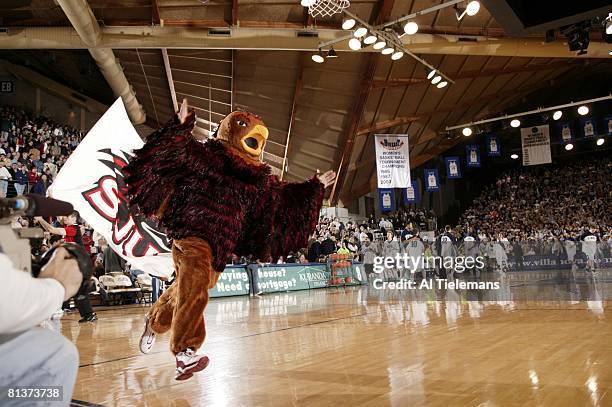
(610, 52)
(370, 39)
(397, 55)
(354, 44)
(360, 32)
(569, 146)
(380, 44)
(332, 53)
(307, 3)
(318, 58)
(431, 74)
(436, 79)
(557, 115)
(467, 132)
(609, 26)
(600, 141)
(388, 50)
(514, 156)
(411, 28)
(472, 8)
(442, 84)
(583, 110)
(348, 23)
(515, 123)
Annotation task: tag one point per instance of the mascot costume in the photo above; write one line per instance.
(214, 199)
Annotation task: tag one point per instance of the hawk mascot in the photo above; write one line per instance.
(214, 199)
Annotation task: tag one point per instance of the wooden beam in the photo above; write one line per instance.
(169, 77)
(245, 24)
(234, 13)
(299, 84)
(155, 12)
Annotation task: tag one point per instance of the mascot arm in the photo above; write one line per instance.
(155, 168)
(296, 213)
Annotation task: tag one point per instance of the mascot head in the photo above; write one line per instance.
(245, 135)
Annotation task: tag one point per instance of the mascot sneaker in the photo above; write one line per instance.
(188, 363)
(147, 339)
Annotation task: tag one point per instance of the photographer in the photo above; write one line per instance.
(31, 356)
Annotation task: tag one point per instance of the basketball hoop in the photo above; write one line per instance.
(327, 8)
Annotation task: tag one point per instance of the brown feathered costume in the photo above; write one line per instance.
(215, 199)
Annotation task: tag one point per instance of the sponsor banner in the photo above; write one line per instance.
(386, 198)
(588, 127)
(432, 180)
(284, 277)
(472, 152)
(92, 180)
(535, 262)
(565, 129)
(493, 145)
(412, 195)
(392, 160)
(608, 125)
(453, 169)
(536, 145)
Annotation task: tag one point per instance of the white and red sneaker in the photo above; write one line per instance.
(188, 363)
(147, 339)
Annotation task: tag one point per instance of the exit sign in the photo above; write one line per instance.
(6, 87)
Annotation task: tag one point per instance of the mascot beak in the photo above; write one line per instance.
(253, 142)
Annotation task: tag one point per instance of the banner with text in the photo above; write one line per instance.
(566, 132)
(453, 169)
(493, 145)
(473, 155)
(432, 181)
(386, 198)
(608, 124)
(412, 195)
(392, 160)
(588, 127)
(536, 145)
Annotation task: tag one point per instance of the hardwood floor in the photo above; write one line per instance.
(543, 339)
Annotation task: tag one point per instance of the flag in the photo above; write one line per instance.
(432, 181)
(588, 127)
(386, 198)
(536, 145)
(566, 132)
(392, 160)
(453, 169)
(493, 145)
(473, 155)
(412, 194)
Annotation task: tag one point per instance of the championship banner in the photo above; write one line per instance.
(452, 167)
(392, 160)
(412, 194)
(536, 145)
(93, 182)
(493, 146)
(588, 128)
(432, 181)
(566, 132)
(608, 125)
(386, 197)
(473, 155)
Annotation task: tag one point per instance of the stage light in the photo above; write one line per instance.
(514, 156)
(583, 110)
(397, 55)
(442, 84)
(466, 131)
(380, 44)
(348, 23)
(332, 53)
(436, 79)
(557, 115)
(431, 74)
(354, 44)
(388, 50)
(370, 39)
(318, 58)
(569, 146)
(411, 28)
(308, 3)
(360, 32)
(600, 141)
(472, 8)
(515, 123)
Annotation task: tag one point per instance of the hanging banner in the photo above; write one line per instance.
(608, 124)
(536, 145)
(452, 167)
(473, 155)
(386, 198)
(432, 181)
(493, 146)
(588, 127)
(412, 194)
(566, 132)
(92, 181)
(392, 160)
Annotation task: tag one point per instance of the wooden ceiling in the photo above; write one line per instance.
(321, 116)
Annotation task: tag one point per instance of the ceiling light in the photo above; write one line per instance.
(515, 123)
(431, 74)
(610, 52)
(436, 79)
(514, 156)
(411, 28)
(380, 44)
(472, 8)
(582, 110)
(307, 3)
(318, 58)
(332, 53)
(360, 32)
(569, 146)
(388, 50)
(466, 131)
(397, 55)
(348, 23)
(354, 44)
(370, 39)
(557, 115)
(442, 84)
(600, 141)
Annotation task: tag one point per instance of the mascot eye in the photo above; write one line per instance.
(242, 123)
